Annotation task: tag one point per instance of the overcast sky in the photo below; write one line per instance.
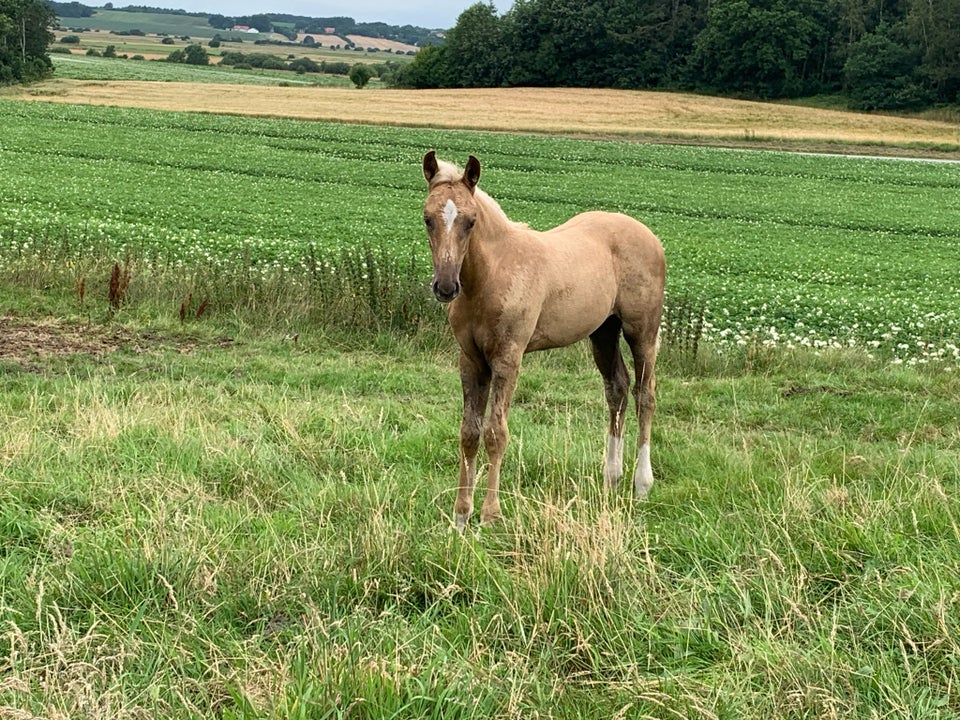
(441, 14)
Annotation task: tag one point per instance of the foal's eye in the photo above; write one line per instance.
(428, 221)
(469, 223)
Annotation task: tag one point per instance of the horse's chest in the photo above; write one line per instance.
(495, 326)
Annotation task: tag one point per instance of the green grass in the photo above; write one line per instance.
(245, 512)
(260, 528)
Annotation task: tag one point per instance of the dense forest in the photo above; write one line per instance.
(24, 37)
(882, 54)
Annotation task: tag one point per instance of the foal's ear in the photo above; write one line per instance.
(471, 176)
(430, 166)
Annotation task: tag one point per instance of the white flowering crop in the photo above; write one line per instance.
(776, 249)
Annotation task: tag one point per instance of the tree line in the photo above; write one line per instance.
(341, 25)
(282, 23)
(882, 54)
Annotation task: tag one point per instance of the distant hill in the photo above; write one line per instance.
(181, 22)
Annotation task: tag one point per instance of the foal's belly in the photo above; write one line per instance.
(562, 329)
(571, 313)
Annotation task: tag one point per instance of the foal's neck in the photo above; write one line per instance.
(493, 226)
(491, 241)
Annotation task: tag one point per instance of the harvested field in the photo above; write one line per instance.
(602, 113)
(366, 42)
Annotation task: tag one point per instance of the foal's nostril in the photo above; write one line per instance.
(446, 290)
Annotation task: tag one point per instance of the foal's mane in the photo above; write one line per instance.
(447, 172)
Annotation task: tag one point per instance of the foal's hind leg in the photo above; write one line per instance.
(644, 346)
(605, 341)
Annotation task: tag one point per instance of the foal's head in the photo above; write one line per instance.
(450, 213)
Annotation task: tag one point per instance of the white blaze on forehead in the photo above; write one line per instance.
(449, 214)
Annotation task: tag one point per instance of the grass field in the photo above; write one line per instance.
(228, 494)
(204, 522)
(105, 22)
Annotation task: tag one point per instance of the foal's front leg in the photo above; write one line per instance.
(475, 380)
(496, 435)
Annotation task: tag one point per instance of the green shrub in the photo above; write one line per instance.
(337, 68)
(196, 55)
(304, 65)
(360, 75)
(231, 57)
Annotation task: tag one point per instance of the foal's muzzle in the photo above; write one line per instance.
(446, 290)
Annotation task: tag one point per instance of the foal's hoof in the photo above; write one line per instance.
(642, 487)
(461, 521)
(491, 517)
(611, 480)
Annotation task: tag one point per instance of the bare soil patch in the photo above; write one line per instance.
(622, 114)
(28, 342)
(23, 340)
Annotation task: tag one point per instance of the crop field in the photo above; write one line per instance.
(603, 114)
(98, 69)
(776, 250)
(167, 23)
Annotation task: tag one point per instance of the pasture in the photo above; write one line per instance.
(104, 24)
(244, 511)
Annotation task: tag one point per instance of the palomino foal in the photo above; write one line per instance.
(513, 290)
